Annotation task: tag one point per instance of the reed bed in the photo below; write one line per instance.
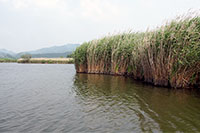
(47, 60)
(166, 56)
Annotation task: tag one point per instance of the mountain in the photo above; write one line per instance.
(7, 54)
(55, 49)
(49, 52)
(51, 55)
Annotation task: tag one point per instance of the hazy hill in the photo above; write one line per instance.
(55, 49)
(7, 54)
(49, 52)
(51, 55)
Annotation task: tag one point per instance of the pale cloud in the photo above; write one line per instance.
(3, 0)
(21, 4)
(98, 10)
(49, 3)
(95, 10)
(31, 24)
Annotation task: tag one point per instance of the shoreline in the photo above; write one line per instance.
(39, 61)
(46, 61)
(7, 60)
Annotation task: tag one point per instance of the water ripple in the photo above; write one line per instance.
(52, 98)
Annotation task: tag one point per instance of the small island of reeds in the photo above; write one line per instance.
(166, 56)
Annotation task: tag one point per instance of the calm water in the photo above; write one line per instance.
(53, 98)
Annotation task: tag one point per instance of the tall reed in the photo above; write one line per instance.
(166, 56)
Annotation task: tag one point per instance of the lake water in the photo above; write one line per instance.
(53, 98)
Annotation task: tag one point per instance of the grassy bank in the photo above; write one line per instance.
(166, 56)
(47, 60)
(7, 60)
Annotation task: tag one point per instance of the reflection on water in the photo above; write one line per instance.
(123, 104)
(53, 98)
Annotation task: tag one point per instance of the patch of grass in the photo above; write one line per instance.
(7, 60)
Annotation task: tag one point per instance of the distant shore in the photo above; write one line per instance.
(6, 60)
(47, 60)
(39, 60)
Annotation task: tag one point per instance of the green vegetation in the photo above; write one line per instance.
(7, 60)
(70, 55)
(47, 60)
(25, 58)
(166, 56)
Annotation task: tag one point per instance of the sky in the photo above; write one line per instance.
(33, 24)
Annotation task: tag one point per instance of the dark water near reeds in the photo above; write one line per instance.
(53, 98)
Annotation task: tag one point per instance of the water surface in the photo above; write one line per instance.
(53, 98)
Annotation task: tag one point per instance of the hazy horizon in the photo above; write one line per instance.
(38, 48)
(28, 25)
